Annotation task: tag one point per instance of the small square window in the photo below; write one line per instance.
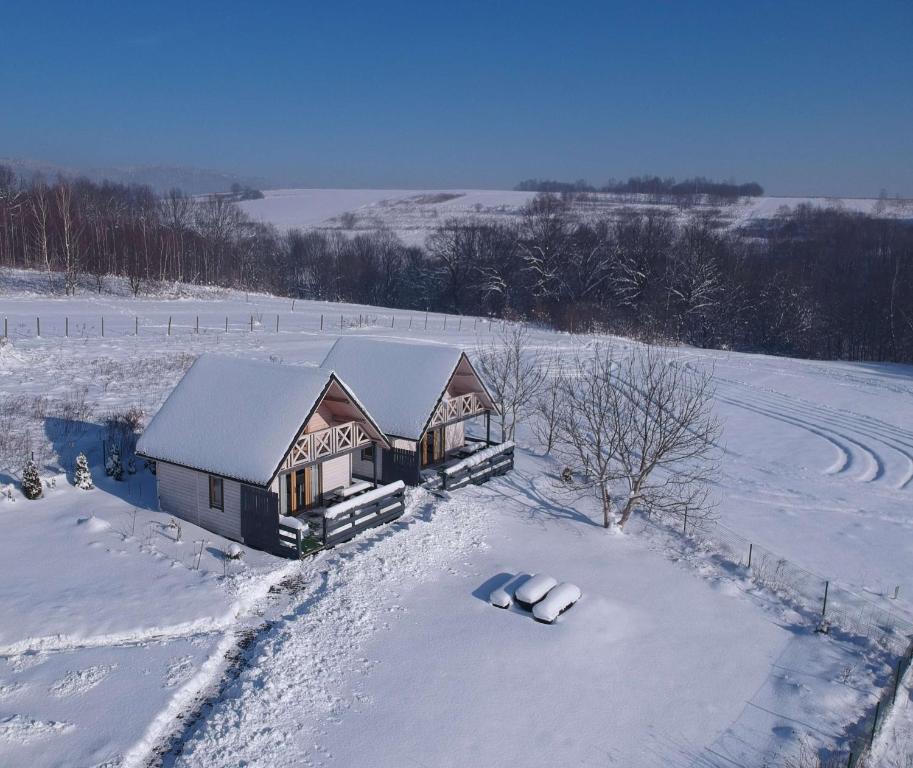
(367, 453)
(215, 492)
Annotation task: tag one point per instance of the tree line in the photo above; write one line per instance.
(654, 188)
(811, 283)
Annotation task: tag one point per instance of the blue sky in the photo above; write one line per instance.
(805, 97)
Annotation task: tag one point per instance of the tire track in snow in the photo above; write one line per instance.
(840, 425)
(847, 458)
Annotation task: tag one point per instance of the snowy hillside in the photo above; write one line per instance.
(135, 643)
(413, 214)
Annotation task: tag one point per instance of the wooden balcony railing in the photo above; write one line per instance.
(312, 446)
(456, 408)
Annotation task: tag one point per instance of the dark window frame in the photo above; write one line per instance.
(367, 453)
(214, 502)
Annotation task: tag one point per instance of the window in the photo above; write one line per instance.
(367, 453)
(215, 492)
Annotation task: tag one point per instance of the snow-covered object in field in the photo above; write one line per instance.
(556, 602)
(478, 457)
(344, 507)
(503, 597)
(234, 417)
(532, 591)
(93, 524)
(82, 476)
(234, 552)
(399, 382)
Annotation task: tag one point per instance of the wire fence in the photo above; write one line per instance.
(831, 607)
(83, 326)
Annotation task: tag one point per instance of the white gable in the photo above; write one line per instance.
(233, 417)
(399, 382)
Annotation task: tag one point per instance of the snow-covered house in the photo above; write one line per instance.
(239, 442)
(422, 396)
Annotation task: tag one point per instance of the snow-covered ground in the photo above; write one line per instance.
(413, 214)
(120, 645)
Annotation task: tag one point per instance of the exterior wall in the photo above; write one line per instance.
(184, 493)
(337, 472)
(455, 436)
(366, 468)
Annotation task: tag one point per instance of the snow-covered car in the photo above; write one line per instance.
(503, 597)
(533, 590)
(556, 602)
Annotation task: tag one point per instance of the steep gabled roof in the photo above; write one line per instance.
(234, 417)
(399, 382)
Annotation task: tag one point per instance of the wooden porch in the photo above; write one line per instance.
(351, 511)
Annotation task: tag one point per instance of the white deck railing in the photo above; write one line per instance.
(311, 446)
(459, 407)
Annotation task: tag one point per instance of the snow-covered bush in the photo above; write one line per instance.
(113, 466)
(31, 480)
(82, 477)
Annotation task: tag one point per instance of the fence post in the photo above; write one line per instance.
(169, 325)
(136, 326)
(827, 585)
(5, 327)
(196, 328)
(293, 305)
(226, 323)
(66, 326)
(426, 321)
(393, 321)
(685, 524)
(340, 320)
(445, 322)
(38, 326)
(251, 323)
(277, 323)
(750, 547)
(102, 326)
(324, 531)
(460, 326)
(321, 322)
(875, 721)
(410, 322)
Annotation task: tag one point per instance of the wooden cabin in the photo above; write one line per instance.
(239, 443)
(424, 397)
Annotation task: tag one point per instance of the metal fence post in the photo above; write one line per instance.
(38, 326)
(827, 585)
(875, 721)
(750, 547)
(169, 325)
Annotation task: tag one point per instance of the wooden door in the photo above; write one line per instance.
(304, 489)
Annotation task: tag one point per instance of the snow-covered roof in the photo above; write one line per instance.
(399, 382)
(234, 417)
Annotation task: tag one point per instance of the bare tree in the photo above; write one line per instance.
(550, 403)
(514, 372)
(588, 438)
(641, 429)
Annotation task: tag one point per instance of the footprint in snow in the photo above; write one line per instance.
(22, 729)
(80, 681)
(178, 671)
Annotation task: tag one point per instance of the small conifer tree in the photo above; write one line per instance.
(31, 480)
(82, 477)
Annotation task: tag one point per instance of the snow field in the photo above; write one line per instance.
(388, 641)
(413, 214)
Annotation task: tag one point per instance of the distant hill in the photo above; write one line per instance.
(193, 181)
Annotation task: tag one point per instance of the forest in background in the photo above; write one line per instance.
(816, 283)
